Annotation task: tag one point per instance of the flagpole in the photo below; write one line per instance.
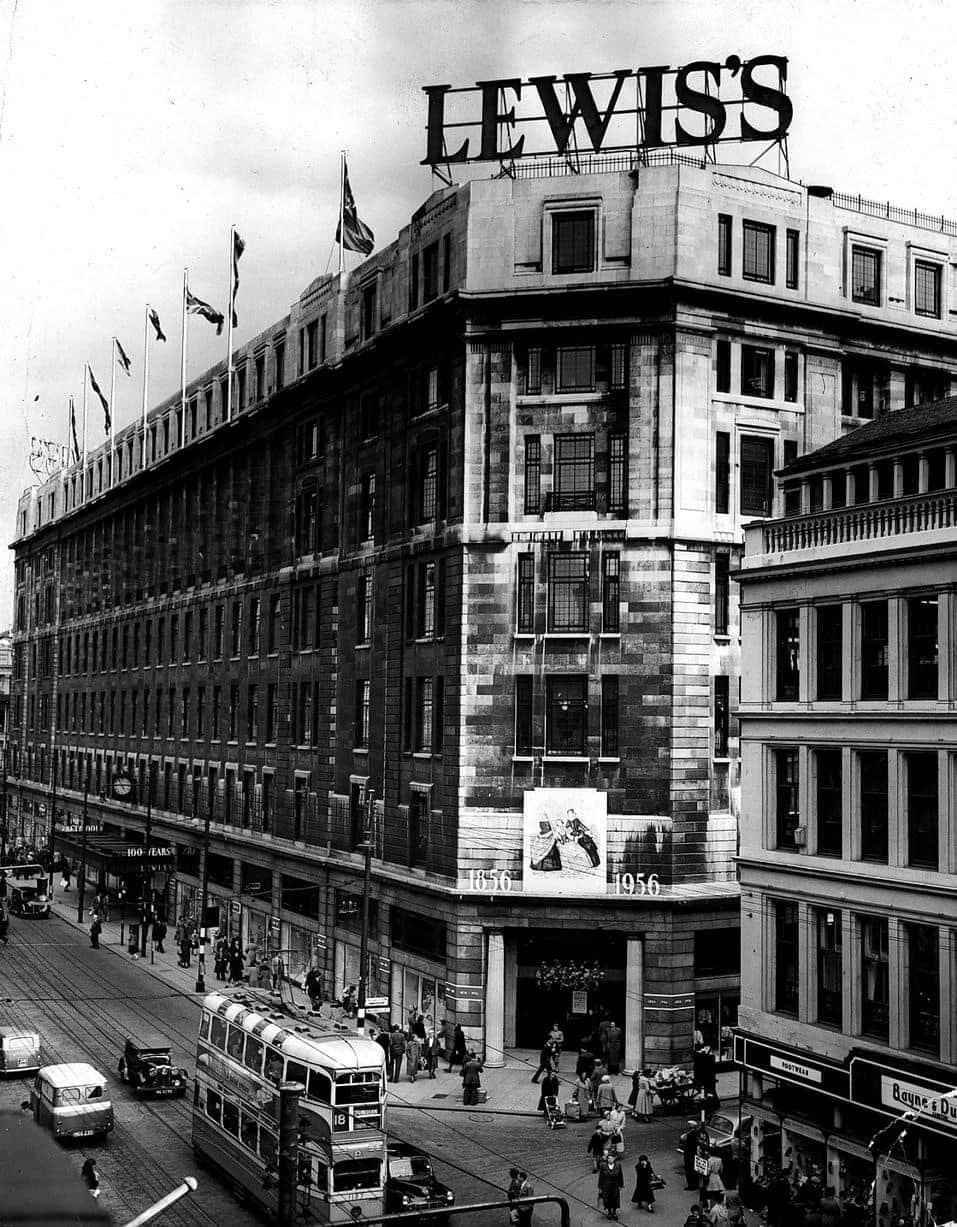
(229, 326)
(182, 413)
(113, 413)
(146, 379)
(342, 211)
(83, 474)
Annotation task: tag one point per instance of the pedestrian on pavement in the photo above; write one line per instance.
(613, 1042)
(237, 965)
(718, 1214)
(696, 1137)
(556, 1037)
(4, 925)
(382, 1039)
(219, 960)
(185, 947)
(603, 1038)
(643, 1103)
(582, 1096)
(252, 963)
(413, 1054)
(644, 1194)
(605, 1096)
(95, 930)
(276, 973)
(104, 911)
(610, 1181)
(418, 1027)
(616, 1117)
(447, 1036)
(91, 1177)
(159, 936)
(732, 1205)
(694, 1218)
(547, 1060)
(471, 1080)
(714, 1185)
(550, 1087)
(586, 1060)
(598, 1072)
(457, 1052)
(596, 1147)
(396, 1052)
(519, 1186)
(314, 987)
(432, 1053)
(709, 1078)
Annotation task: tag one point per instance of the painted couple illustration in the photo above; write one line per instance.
(563, 844)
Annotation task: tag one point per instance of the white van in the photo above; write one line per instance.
(72, 1099)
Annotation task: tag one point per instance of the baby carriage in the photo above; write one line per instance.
(554, 1117)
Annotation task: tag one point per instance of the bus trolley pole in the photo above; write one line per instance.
(289, 1093)
(147, 886)
(81, 885)
(364, 940)
(201, 966)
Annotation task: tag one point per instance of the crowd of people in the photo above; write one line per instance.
(418, 1048)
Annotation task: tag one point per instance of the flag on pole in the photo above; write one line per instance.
(196, 306)
(238, 248)
(352, 232)
(107, 420)
(155, 321)
(74, 441)
(122, 355)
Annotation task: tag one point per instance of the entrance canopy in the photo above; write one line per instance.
(114, 855)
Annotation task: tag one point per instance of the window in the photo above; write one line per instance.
(280, 355)
(724, 245)
(921, 796)
(722, 472)
(365, 607)
(523, 716)
(872, 768)
(368, 416)
(576, 368)
(428, 485)
(574, 473)
(617, 497)
(875, 978)
(721, 714)
(203, 633)
(829, 653)
(533, 475)
(418, 830)
(423, 715)
(533, 370)
(414, 282)
(430, 272)
(722, 365)
(566, 715)
(757, 371)
(254, 625)
(611, 593)
(573, 241)
(219, 625)
(829, 967)
(787, 812)
(829, 803)
(787, 655)
(446, 262)
(618, 363)
(923, 988)
(568, 593)
(757, 466)
(758, 252)
(252, 713)
(362, 714)
(216, 714)
(525, 620)
(927, 288)
(260, 367)
(272, 711)
(924, 386)
(609, 716)
(370, 313)
(367, 507)
(235, 640)
(307, 522)
(791, 376)
(233, 711)
(866, 275)
(275, 606)
(425, 621)
(722, 591)
(786, 958)
(874, 650)
(792, 256)
(922, 648)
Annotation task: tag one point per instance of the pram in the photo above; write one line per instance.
(554, 1117)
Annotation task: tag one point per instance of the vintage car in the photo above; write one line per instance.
(146, 1065)
(19, 1050)
(72, 1100)
(723, 1128)
(411, 1184)
(30, 903)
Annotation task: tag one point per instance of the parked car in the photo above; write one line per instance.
(30, 903)
(147, 1066)
(410, 1183)
(722, 1128)
(72, 1100)
(19, 1050)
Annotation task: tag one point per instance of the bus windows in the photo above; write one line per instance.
(234, 1045)
(274, 1066)
(231, 1118)
(320, 1087)
(214, 1105)
(355, 1174)
(349, 1091)
(204, 1027)
(297, 1073)
(217, 1033)
(268, 1148)
(249, 1132)
(253, 1058)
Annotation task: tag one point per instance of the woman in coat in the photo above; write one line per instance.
(644, 1100)
(582, 1096)
(644, 1194)
(610, 1181)
(550, 1086)
(605, 1096)
(413, 1051)
(713, 1184)
(457, 1055)
(433, 1047)
(597, 1144)
(613, 1042)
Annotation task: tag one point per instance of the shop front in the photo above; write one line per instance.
(573, 978)
(255, 930)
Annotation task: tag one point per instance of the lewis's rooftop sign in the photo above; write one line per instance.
(629, 109)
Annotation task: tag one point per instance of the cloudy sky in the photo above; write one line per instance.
(132, 135)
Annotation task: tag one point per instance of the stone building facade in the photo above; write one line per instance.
(464, 549)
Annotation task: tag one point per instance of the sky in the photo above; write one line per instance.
(133, 135)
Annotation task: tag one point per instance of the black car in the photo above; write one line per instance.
(147, 1066)
(411, 1184)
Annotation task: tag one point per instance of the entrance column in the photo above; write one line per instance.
(634, 1002)
(495, 1001)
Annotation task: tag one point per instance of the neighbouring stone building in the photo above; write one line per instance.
(848, 841)
(464, 547)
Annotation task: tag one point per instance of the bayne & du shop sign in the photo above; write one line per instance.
(629, 109)
(899, 1091)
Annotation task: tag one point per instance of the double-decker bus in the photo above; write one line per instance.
(248, 1044)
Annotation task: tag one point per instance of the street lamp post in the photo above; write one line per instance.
(3, 804)
(147, 863)
(366, 847)
(201, 968)
(53, 823)
(81, 884)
